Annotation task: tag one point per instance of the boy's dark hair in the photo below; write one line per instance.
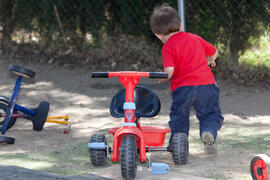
(164, 20)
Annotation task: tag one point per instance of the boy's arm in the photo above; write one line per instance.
(170, 71)
(212, 59)
(210, 51)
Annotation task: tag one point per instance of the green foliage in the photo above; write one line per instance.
(71, 160)
(122, 52)
(131, 16)
(72, 20)
(229, 22)
(7, 22)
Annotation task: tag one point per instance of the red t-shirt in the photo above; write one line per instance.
(187, 52)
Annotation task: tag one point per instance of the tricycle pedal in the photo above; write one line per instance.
(97, 145)
(160, 168)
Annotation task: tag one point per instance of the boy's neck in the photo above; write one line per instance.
(166, 37)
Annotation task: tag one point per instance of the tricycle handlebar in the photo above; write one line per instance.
(100, 75)
(158, 75)
(129, 74)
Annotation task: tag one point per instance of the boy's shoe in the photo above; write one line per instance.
(210, 145)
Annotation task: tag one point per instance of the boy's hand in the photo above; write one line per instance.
(212, 59)
(169, 71)
(212, 63)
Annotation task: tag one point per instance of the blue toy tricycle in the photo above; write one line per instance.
(10, 111)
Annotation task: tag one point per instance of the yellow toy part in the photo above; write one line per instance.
(55, 119)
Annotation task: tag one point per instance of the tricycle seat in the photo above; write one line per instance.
(22, 71)
(147, 103)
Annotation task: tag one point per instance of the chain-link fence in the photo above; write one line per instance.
(238, 27)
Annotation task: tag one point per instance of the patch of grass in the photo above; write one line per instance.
(70, 160)
(242, 178)
(241, 140)
(217, 176)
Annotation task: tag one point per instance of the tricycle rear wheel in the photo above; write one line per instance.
(128, 157)
(180, 148)
(98, 156)
(41, 115)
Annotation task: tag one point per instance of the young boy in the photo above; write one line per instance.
(186, 58)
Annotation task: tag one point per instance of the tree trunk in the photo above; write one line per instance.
(234, 56)
(8, 23)
(234, 53)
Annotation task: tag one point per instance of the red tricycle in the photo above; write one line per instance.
(133, 140)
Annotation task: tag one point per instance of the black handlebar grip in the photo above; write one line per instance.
(100, 74)
(158, 75)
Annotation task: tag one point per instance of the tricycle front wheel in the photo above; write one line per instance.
(128, 157)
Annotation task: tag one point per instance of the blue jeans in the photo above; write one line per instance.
(205, 100)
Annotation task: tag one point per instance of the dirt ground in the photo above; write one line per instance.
(71, 91)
